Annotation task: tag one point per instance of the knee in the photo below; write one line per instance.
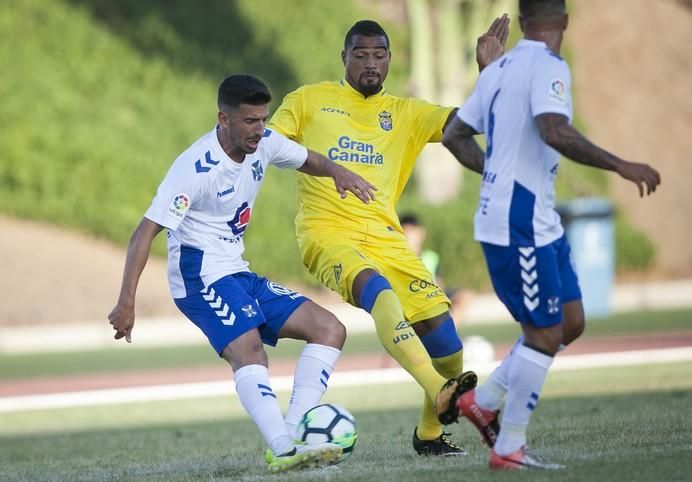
(546, 340)
(573, 328)
(444, 347)
(328, 331)
(245, 352)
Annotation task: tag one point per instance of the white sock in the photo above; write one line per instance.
(491, 393)
(258, 399)
(313, 370)
(527, 374)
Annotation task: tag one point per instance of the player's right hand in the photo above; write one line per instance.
(491, 45)
(122, 318)
(643, 175)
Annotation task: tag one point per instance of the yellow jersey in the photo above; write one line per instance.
(378, 137)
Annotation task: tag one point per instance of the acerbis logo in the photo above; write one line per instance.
(241, 219)
(334, 110)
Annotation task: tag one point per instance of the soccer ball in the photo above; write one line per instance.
(329, 423)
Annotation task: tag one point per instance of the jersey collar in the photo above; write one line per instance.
(531, 43)
(354, 93)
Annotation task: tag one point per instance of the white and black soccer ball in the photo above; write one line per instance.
(329, 423)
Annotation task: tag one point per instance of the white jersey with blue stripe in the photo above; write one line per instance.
(206, 201)
(517, 199)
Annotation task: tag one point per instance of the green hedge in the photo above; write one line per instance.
(99, 97)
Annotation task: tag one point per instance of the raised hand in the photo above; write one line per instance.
(491, 45)
(643, 175)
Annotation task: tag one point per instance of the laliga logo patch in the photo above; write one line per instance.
(385, 120)
(557, 91)
(179, 206)
(241, 219)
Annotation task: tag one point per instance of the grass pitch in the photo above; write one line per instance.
(631, 423)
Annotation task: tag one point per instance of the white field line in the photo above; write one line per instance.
(339, 379)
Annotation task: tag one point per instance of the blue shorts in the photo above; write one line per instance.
(533, 283)
(238, 303)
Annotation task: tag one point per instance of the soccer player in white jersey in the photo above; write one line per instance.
(522, 103)
(205, 203)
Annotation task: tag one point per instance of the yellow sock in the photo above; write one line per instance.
(429, 428)
(403, 343)
(450, 366)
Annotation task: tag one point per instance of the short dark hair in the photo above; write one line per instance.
(239, 89)
(367, 28)
(409, 218)
(542, 8)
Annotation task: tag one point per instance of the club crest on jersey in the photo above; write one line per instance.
(553, 305)
(385, 120)
(241, 219)
(179, 205)
(257, 170)
(337, 272)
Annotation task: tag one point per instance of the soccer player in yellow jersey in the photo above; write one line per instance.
(359, 250)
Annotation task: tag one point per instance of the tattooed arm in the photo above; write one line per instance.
(557, 132)
(458, 138)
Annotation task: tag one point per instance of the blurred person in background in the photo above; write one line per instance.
(360, 251)
(522, 102)
(416, 234)
(205, 203)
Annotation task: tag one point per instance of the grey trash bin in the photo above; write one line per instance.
(590, 230)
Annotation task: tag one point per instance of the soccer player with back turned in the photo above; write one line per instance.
(205, 203)
(522, 103)
(358, 250)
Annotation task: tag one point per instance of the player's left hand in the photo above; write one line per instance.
(643, 175)
(122, 318)
(346, 180)
(491, 45)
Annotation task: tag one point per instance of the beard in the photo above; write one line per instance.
(369, 88)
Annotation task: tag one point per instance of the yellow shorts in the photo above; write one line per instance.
(336, 256)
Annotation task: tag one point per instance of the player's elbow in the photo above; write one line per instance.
(551, 128)
(551, 138)
(448, 139)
